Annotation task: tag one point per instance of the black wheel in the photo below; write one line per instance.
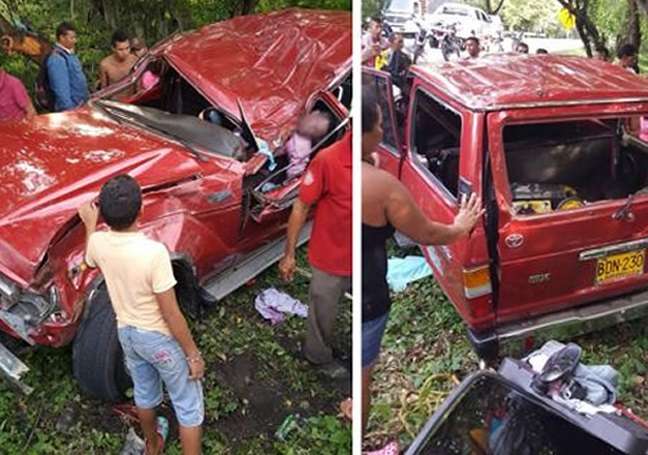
(97, 356)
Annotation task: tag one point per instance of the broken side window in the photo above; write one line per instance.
(436, 132)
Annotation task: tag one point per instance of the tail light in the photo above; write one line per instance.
(477, 282)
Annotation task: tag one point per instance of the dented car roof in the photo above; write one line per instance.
(502, 81)
(270, 63)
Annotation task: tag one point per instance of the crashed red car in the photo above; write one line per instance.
(544, 141)
(216, 194)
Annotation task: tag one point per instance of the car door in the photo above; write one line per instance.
(550, 260)
(442, 165)
(275, 193)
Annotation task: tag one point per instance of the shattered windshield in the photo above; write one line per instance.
(187, 129)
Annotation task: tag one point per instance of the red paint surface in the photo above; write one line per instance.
(552, 242)
(57, 162)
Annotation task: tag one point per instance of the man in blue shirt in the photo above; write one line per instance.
(64, 72)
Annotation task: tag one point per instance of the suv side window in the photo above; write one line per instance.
(435, 139)
(383, 96)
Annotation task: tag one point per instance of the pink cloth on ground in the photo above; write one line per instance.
(299, 149)
(13, 98)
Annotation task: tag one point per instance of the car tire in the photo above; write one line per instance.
(97, 357)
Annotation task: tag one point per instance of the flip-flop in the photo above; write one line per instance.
(162, 432)
(390, 449)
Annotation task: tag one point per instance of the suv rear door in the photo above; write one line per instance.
(549, 261)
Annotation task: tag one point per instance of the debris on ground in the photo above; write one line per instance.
(403, 271)
(274, 305)
(134, 445)
(291, 423)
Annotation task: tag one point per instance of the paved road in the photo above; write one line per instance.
(570, 46)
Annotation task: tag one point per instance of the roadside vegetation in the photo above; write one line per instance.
(255, 378)
(426, 354)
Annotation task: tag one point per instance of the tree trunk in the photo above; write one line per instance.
(587, 30)
(633, 35)
(495, 10)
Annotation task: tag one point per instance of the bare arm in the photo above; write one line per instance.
(103, 76)
(89, 213)
(30, 112)
(180, 330)
(404, 215)
(296, 222)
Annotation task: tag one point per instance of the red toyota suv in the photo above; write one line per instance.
(551, 145)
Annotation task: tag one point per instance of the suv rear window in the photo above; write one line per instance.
(565, 165)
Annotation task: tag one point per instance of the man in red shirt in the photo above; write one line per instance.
(14, 101)
(327, 183)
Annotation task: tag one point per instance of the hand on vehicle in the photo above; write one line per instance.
(287, 267)
(89, 213)
(469, 213)
(196, 367)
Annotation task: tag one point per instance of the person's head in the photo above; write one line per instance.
(375, 26)
(522, 48)
(120, 45)
(138, 46)
(66, 35)
(472, 46)
(627, 55)
(314, 125)
(372, 131)
(541, 50)
(601, 53)
(120, 201)
(396, 41)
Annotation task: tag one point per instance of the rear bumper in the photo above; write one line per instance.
(12, 369)
(562, 325)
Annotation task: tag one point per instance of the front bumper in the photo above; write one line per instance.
(12, 368)
(561, 325)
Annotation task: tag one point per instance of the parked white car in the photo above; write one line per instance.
(402, 15)
(470, 21)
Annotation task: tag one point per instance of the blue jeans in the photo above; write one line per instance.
(372, 333)
(153, 358)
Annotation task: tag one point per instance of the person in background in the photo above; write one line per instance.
(66, 79)
(15, 104)
(602, 54)
(138, 47)
(627, 55)
(522, 48)
(326, 185)
(153, 333)
(398, 62)
(373, 43)
(472, 47)
(541, 50)
(119, 63)
(387, 206)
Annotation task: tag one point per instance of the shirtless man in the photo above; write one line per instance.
(118, 64)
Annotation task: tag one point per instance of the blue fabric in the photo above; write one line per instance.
(152, 358)
(66, 80)
(402, 271)
(372, 333)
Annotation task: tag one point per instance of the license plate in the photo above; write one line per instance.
(619, 266)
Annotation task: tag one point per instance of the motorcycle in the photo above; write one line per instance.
(451, 44)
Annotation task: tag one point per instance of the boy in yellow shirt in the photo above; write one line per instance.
(157, 344)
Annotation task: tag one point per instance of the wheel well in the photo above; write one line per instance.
(187, 288)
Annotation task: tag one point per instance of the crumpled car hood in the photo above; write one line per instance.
(51, 165)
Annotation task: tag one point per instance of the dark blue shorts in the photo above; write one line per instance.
(372, 333)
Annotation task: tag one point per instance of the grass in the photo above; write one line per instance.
(426, 354)
(255, 379)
